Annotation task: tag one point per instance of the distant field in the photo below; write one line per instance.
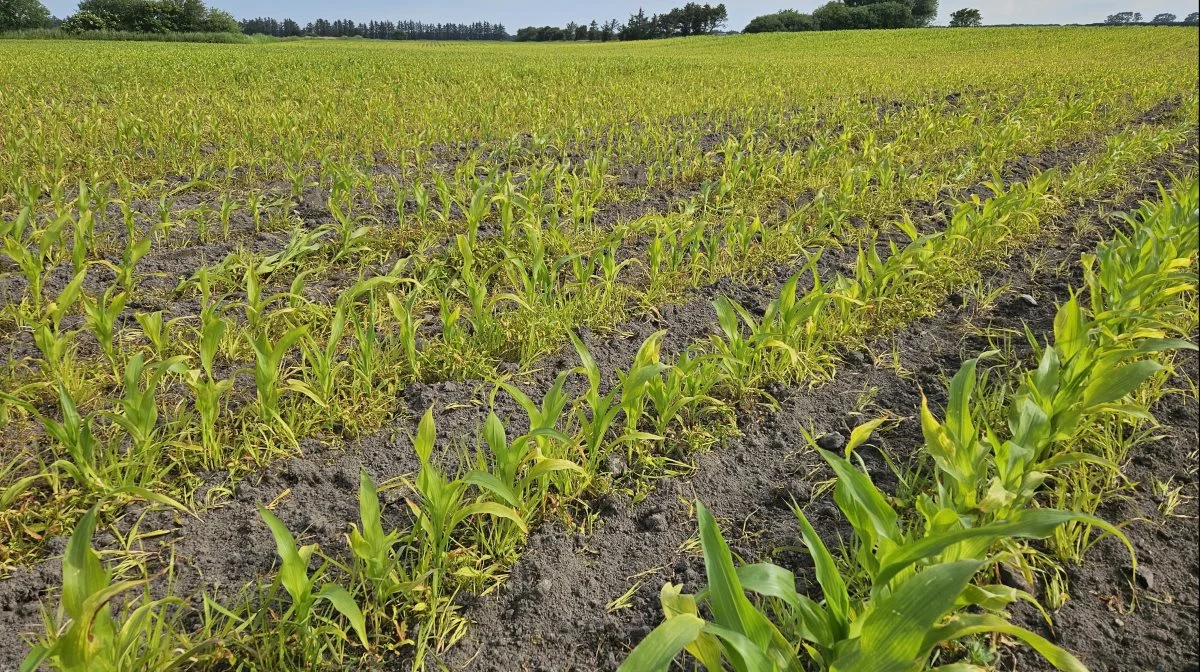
(367, 355)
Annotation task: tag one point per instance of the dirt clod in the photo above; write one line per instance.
(831, 441)
(1143, 576)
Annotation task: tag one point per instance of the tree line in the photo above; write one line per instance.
(376, 30)
(691, 19)
(193, 16)
(1166, 18)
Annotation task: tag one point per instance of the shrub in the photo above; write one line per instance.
(786, 21)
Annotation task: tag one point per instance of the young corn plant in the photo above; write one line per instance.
(56, 345)
(403, 310)
(795, 319)
(102, 314)
(596, 414)
(681, 390)
(381, 572)
(919, 592)
(1138, 280)
(268, 360)
(138, 415)
(374, 550)
(635, 385)
(33, 253)
(520, 471)
(156, 330)
(89, 633)
(744, 358)
(323, 364)
(206, 388)
(88, 459)
(441, 508)
(135, 249)
(83, 234)
(351, 237)
(302, 620)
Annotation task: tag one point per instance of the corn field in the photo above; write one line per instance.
(839, 351)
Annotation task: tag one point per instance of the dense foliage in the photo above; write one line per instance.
(785, 21)
(966, 18)
(849, 15)
(1121, 18)
(376, 30)
(23, 15)
(150, 16)
(691, 19)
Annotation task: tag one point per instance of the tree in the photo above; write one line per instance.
(1192, 19)
(966, 18)
(923, 12)
(609, 30)
(841, 16)
(786, 21)
(638, 27)
(1165, 17)
(23, 15)
(1123, 18)
(153, 16)
(889, 15)
(84, 21)
(218, 21)
(856, 14)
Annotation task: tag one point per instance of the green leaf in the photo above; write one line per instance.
(860, 434)
(485, 481)
(37, 655)
(143, 493)
(294, 572)
(774, 581)
(368, 507)
(1070, 328)
(550, 465)
(1109, 386)
(426, 435)
(837, 597)
(971, 624)
(346, 606)
(861, 501)
(732, 611)
(895, 631)
(490, 509)
(745, 654)
(660, 647)
(83, 574)
(706, 648)
(1028, 523)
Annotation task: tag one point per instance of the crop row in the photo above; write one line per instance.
(910, 583)
(199, 111)
(655, 401)
(508, 298)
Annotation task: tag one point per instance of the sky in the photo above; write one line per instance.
(518, 13)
